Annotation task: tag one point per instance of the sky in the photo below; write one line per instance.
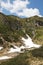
(22, 8)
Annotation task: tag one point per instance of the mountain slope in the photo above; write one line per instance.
(33, 57)
(12, 28)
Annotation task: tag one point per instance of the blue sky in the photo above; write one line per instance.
(37, 4)
(22, 8)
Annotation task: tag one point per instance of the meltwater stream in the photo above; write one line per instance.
(28, 44)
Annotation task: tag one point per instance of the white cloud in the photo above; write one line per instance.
(6, 5)
(0, 7)
(18, 5)
(29, 12)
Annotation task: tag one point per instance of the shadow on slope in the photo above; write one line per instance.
(19, 60)
(38, 52)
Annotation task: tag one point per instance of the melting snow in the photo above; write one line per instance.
(1, 48)
(28, 42)
(4, 57)
(22, 47)
(14, 50)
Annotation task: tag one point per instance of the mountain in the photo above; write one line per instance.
(12, 28)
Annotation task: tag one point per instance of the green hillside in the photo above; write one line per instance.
(13, 27)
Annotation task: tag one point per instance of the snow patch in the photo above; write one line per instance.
(28, 42)
(14, 50)
(1, 48)
(4, 57)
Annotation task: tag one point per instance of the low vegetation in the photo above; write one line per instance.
(33, 57)
(12, 28)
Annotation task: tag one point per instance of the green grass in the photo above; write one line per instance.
(26, 58)
(19, 60)
(12, 28)
(38, 52)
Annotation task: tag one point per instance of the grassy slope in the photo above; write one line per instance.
(12, 27)
(34, 57)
